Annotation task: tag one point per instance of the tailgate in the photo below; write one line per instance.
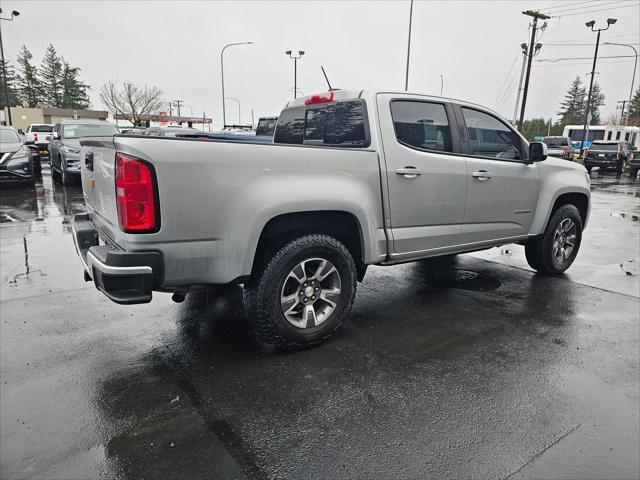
(98, 184)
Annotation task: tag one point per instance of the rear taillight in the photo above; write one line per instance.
(135, 195)
(319, 98)
(565, 151)
(35, 137)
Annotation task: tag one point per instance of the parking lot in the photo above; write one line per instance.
(473, 369)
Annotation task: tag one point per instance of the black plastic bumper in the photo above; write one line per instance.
(124, 277)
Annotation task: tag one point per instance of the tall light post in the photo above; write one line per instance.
(441, 83)
(633, 77)
(238, 102)
(590, 24)
(295, 68)
(406, 76)
(14, 13)
(224, 118)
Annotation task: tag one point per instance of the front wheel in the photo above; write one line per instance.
(556, 250)
(301, 294)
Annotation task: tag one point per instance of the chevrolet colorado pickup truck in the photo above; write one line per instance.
(351, 179)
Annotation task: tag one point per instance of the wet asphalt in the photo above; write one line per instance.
(473, 369)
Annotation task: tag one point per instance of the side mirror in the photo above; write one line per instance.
(54, 136)
(537, 151)
(20, 131)
(29, 142)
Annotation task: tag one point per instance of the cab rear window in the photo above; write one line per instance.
(340, 124)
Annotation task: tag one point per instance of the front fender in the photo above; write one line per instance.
(559, 177)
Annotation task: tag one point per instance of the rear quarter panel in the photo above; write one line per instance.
(216, 197)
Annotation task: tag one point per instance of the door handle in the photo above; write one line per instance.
(408, 172)
(481, 175)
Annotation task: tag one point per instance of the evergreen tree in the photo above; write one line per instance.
(51, 76)
(572, 108)
(634, 106)
(74, 91)
(597, 100)
(28, 81)
(11, 86)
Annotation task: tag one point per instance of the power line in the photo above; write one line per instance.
(599, 5)
(580, 58)
(506, 78)
(593, 11)
(579, 63)
(555, 7)
(635, 35)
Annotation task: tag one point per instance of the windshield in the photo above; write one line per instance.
(41, 128)
(89, 130)
(605, 147)
(9, 136)
(556, 142)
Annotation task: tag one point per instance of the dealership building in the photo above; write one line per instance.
(22, 117)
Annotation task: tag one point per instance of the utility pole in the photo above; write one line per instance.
(587, 113)
(534, 28)
(178, 102)
(523, 46)
(441, 83)
(406, 77)
(622, 110)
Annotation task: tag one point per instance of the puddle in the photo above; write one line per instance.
(632, 217)
(467, 280)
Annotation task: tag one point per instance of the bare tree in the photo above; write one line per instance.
(131, 101)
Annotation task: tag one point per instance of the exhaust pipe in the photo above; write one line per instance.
(178, 297)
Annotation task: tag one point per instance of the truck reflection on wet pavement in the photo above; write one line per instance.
(474, 367)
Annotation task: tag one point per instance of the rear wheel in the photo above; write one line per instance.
(556, 250)
(633, 173)
(302, 293)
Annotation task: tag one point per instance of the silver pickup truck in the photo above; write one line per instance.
(352, 178)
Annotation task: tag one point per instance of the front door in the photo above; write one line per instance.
(502, 186)
(426, 179)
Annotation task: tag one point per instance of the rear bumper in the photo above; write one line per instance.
(124, 277)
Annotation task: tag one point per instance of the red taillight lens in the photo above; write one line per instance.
(35, 137)
(135, 195)
(319, 98)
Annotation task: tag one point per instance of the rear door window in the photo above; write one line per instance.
(421, 125)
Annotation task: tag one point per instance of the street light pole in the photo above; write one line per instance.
(406, 77)
(14, 13)
(441, 83)
(238, 102)
(633, 77)
(224, 118)
(590, 24)
(295, 69)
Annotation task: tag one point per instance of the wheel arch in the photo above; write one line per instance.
(342, 225)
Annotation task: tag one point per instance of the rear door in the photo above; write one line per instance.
(426, 175)
(502, 186)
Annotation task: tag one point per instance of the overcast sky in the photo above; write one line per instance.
(362, 44)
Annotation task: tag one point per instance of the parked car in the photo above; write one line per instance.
(16, 163)
(266, 126)
(38, 133)
(133, 131)
(608, 156)
(560, 147)
(352, 178)
(64, 147)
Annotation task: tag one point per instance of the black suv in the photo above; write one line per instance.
(608, 156)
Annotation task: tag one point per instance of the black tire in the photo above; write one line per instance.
(262, 293)
(540, 252)
(633, 173)
(620, 168)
